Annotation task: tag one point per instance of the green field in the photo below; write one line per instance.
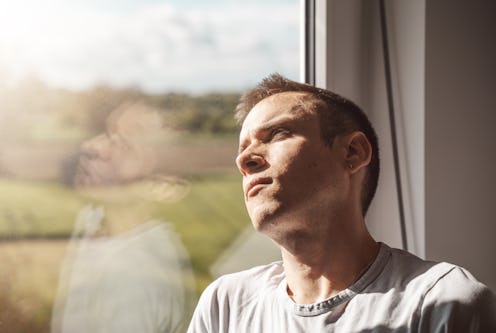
(36, 220)
(42, 130)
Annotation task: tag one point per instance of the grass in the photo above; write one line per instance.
(207, 219)
(40, 209)
(28, 282)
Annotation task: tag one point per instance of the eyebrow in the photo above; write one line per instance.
(274, 123)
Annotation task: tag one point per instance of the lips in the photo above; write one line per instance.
(93, 172)
(256, 185)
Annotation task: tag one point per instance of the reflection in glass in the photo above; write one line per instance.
(124, 271)
(117, 149)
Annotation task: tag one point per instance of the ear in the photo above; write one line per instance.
(165, 189)
(359, 151)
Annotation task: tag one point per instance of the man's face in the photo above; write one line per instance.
(120, 154)
(289, 173)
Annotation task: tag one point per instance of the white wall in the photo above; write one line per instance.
(460, 112)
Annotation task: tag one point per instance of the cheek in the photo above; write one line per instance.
(312, 172)
(285, 155)
(132, 164)
(302, 163)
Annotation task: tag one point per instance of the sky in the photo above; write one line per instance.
(177, 45)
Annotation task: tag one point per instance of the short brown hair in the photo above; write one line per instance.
(338, 116)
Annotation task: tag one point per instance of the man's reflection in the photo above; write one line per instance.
(124, 271)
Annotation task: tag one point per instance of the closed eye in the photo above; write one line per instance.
(279, 133)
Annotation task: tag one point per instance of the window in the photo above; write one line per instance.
(118, 186)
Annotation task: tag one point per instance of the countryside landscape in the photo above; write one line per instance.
(42, 129)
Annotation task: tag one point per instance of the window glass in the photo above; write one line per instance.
(119, 197)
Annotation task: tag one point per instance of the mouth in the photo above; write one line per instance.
(84, 173)
(256, 185)
(91, 172)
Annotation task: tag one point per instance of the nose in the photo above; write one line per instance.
(249, 162)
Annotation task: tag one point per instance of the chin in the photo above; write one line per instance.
(265, 218)
(259, 218)
(95, 176)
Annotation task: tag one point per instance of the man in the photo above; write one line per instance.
(124, 270)
(310, 164)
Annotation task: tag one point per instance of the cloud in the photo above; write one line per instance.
(156, 47)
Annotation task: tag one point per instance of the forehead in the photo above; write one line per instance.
(134, 124)
(295, 105)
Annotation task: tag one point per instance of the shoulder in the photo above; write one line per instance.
(232, 292)
(429, 296)
(435, 277)
(440, 280)
(452, 282)
(247, 283)
(271, 273)
(451, 298)
(445, 283)
(457, 302)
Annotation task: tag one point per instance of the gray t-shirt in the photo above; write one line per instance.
(133, 282)
(398, 293)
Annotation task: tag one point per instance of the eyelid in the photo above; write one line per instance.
(266, 134)
(278, 130)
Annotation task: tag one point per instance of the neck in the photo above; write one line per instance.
(124, 206)
(120, 219)
(320, 265)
